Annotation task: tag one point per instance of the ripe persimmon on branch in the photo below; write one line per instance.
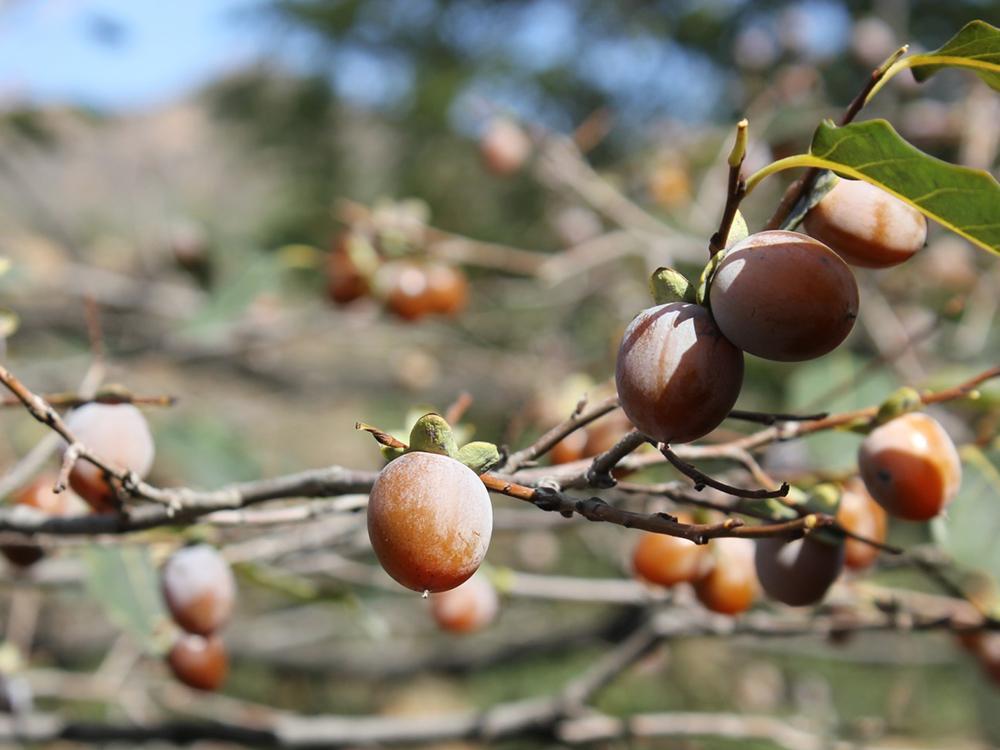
(723, 540)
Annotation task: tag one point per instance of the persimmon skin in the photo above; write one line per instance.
(571, 448)
(677, 376)
(447, 289)
(504, 147)
(118, 434)
(408, 290)
(784, 296)
(344, 281)
(861, 515)
(668, 560)
(730, 584)
(39, 495)
(866, 226)
(797, 572)
(429, 521)
(910, 467)
(199, 589)
(467, 608)
(199, 662)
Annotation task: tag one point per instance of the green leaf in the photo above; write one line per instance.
(968, 529)
(963, 200)
(125, 582)
(9, 323)
(976, 46)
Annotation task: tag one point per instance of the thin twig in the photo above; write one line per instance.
(702, 480)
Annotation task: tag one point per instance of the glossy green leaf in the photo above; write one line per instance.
(976, 47)
(964, 200)
(125, 582)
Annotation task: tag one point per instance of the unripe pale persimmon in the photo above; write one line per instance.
(861, 515)
(429, 521)
(199, 588)
(798, 572)
(469, 607)
(677, 376)
(39, 495)
(910, 466)
(866, 226)
(668, 560)
(730, 584)
(504, 147)
(199, 662)
(119, 435)
(784, 296)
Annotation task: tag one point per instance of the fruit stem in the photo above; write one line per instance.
(807, 182)
(735, 190)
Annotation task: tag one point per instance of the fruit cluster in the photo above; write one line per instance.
(776, 294)
(721, 572)
(359, 265)
(200, 592)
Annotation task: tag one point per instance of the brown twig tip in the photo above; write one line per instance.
(381, 436)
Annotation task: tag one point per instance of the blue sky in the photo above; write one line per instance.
(121, 54)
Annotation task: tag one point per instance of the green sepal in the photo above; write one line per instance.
(432, 434)
(705, 280)
(774, 508)
(899, 402)
(478, 455)
(389, 453)
(825, 498)
(826, 182)
(738, 232)
(667, 285)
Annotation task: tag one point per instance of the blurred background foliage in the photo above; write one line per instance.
(384, 100)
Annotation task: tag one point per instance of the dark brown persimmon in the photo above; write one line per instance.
(798, 572)
(345, 282)
(469, 607)
(910, 467)
(119, 435)
(668, 560)
(860, 514)
(784, 296)
(429, 521)
(199, 588)
(199, 662)
(730, 584)
(866, 226)
(677, 376)
(504, 147)
(447, 289)
(40, 496)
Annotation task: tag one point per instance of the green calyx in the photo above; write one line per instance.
(900, 402)
(738, 232)
(705, 280)
(667, 285)
(478, 455)
(825, 498)
(432, 434)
